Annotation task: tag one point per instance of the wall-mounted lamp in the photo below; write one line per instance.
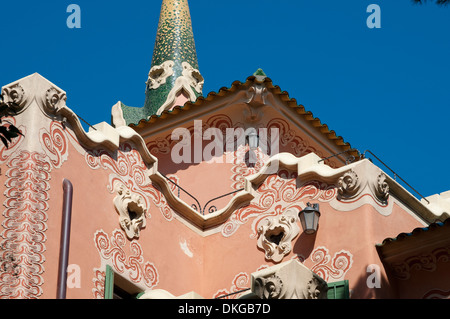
(309, 218)
(253, 140)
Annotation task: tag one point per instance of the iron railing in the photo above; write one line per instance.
(196, 206)
(352, 158)
(395, 174)
(233, 293)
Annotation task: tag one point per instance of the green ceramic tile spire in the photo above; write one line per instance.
(174, 52)
(175, 38)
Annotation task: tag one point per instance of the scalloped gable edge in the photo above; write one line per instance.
(308, 167)
(52, 102)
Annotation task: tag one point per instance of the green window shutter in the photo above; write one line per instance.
(139, 295)
(338, 290)
(109, 282)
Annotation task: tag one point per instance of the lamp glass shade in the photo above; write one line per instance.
(309, 218)
(253, 140)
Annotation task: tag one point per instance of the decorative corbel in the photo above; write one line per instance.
(351, 185)
(276, 234)
(268, 287)
(55, 99)
(381, 188)
(15, 97)
(256, 97)
(288, 280)
(132, 209)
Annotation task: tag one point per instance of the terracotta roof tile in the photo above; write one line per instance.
(236, 85)
(416, 232)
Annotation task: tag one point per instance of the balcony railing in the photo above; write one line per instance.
(197, 206)
(352, 158)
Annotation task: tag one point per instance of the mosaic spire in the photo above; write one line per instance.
(174, 64)
(175, 38)
(174, 68)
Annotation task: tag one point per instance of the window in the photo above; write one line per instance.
(338, 290)
(117, 287)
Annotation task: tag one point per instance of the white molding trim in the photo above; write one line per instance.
(288, 280)
(52, 102)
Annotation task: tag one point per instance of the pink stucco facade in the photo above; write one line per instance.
(116, 173)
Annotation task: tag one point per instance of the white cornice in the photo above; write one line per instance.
(362, 175)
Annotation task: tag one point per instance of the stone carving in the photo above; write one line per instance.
(351, 185)
(276, 234)
(315, 287)
(348, 184)
(189, 80)
(256, 97)
(14, 96)
(159, 73)
(132, 209)
(288, 280)
(54, 99)
(382, 187)
(268, 288)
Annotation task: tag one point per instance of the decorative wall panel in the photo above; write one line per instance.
(125, 257)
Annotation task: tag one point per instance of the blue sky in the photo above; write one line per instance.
(386, 89)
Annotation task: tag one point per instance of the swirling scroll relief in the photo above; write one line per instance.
(331, 268)
(352, 185)
(128, 261)
(27, 188)
(128, 168)
(277, 194)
